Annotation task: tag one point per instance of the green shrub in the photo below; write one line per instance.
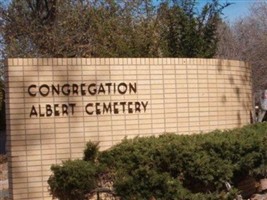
(72, 180)
(144, 183)
(91, 151)
(187, 167)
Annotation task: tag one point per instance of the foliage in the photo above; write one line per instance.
(109, 28)
(245, 39)
(91, 151)
(188, 167)
(185, 32)
(73, 179)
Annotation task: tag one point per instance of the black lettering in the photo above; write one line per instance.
(132, 88)
(40, 112)
(123, 106)
(45, 92)
(49, 111)
(33, 112)
(64, 109)
(108, 85)
(98, 111)
(87, 110)
(130, 110)
(56, 111)
(101, 89)
(137, 107)
(82, 89)
(115, 109)
(72, 105)
(75, 89)
(92, 92)
(106, 108)
(114, 88)
(55, 89)
(122, 88)
(144, 105)
(66, 89)
(30, 92)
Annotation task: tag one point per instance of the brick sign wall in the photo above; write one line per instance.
(55, 105)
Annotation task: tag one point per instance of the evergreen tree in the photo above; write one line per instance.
(109, 28)
(185, 32)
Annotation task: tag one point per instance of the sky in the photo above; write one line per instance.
(238, 9)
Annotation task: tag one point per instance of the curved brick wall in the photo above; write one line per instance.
(55, 105)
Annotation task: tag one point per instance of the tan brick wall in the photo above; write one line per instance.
(173, 95)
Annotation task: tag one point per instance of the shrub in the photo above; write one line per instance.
(145, 183)
(187, 167)
(72, 180)
(91, 151)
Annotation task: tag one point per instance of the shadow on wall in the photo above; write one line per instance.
(238, 118)
(237, 92)
(241, 94)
